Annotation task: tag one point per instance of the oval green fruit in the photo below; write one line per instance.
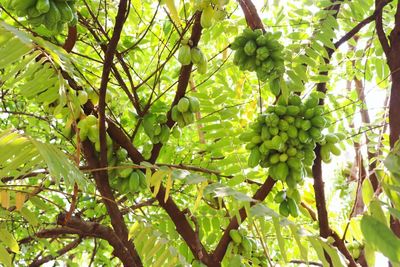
(207, 17)
(194, 104)
(134, 182)
(235, 236)
(184, 56)
(293, 209)
(254, 158)
(284, 209)
(183, 104)
(250, 48)
(280, 196)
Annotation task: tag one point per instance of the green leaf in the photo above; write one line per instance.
(367, 191)
(380, 237)
(9, 240)
(5, 257)
(281, 240)
(29, 216)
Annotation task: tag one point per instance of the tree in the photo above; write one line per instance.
(175, 133)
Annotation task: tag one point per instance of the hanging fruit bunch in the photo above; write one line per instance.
(187, 55)
(259, 52)
(283, 140)
(156, 128)
(211, 11)
(53, 14)
(183, 112)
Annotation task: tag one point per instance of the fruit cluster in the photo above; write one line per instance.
(247, 247)
(212, 10)
(260, 52)
(53, 14)
(183, 112)
(156, 129)
(284, 139)
(128, 181)
(288, 201)
(187, 55)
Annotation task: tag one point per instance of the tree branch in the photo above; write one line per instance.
(260, 195)
(250, 13)
(108, 60)
(60, 252)
(360, 25)
(115, 214)
(76, 226)
(380, 32)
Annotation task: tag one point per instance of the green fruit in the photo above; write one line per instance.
(294, 194)
(157, 129)
(188, 117)
(277, 142)
(284, 209)
(33, 13)
(291, 151)
(334, 149)
(194, 104)
(66, 12)
(280, 196)
(281, 172)
(291, 181)
(184, 56)
(254, 158)
(283, 125)
(142, 180)
(332, 138)
(305, 125)
(341, 136)
(183, 104)
(164, 135)
(21, 5)
(315, 133)
(196, 55)
(175, 113)
(280, 110)
(239, 42)
(265, 135)
(293, 209)
(289, 119)
(176, 132)
(294, 163)
(274, 131)
(294, 100)
(292, 110)
(162, 118)
(273, 159)
(283, 157)
(250, 48)
(93, 133)
(303, 137)
(202, 66)
(82, 97)
(246, 244)
(256, 139)
(247, 137)
(325, 154)
(309, 113)
(235, 235)
(148, 126)
(124, 173)
(318, 121)
(274, 85)
(134, 182)
(207, 16)
(53, 15)
(292, 131)
(311, 102)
